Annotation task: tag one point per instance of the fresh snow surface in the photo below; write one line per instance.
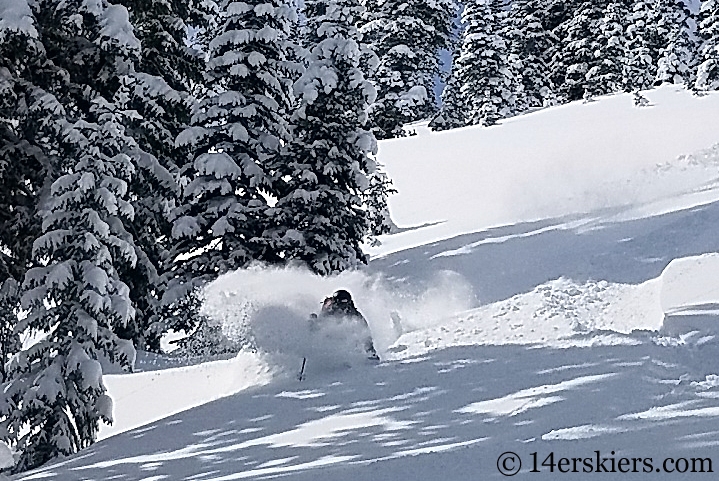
(571, 159)
(552, 288)
(151, 394)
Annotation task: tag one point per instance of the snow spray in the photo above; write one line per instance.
(271, 306)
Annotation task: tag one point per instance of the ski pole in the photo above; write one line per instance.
(302, 370)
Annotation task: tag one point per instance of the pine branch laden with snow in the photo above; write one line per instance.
(487, 84)
(708, 26)
(319, 217)
(9, 309)
(16, 18)
(407, 38)
(116, 29)
(54, 398)
(235, 139)
(643, 43)
(678, 56)
(22, 164)
(531, 43)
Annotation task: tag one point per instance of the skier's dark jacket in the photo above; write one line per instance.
(341, 304)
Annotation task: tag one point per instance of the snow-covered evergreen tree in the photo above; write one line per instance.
(678, 56)
(487, 85)
(54, 398)
(375, 198)
(22, 165)
(76, 299)
(643, 43)
(707, 77)
(162, 26)
(606, 74)
(407, 38)
(235, 138)
(452, 112)
(532, 43)
(576, 54)
(319, 216)
(159, 91)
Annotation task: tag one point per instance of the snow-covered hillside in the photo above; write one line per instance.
(572, 159)
(552, 288)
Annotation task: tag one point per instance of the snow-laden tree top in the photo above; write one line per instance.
(16, 16)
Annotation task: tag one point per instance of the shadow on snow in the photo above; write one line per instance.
(510, 260)
(447, 415)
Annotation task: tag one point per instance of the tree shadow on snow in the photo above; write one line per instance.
(447, 415)
(510, 260)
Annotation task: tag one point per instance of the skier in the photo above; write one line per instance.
(340, 306)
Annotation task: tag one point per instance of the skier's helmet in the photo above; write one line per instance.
(342, 295)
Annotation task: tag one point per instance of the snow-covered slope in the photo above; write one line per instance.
(553, 289)
(575, 158)
(153, 394)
